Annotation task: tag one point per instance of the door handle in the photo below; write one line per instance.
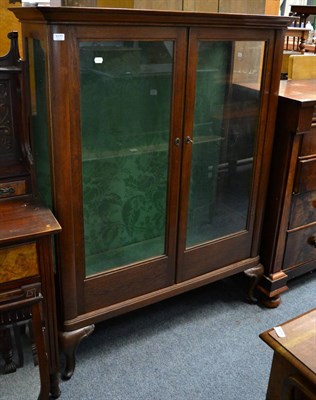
(188, 140)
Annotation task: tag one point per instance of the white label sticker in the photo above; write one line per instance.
(98, 60)
(279, 331)
(59, 37)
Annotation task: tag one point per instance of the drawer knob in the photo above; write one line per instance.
(312, 241)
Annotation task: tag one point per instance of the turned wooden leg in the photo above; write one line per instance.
(7, 352)
(270, 302)
(19, 346)
(33, 345)
(255, 274)
(69, 342)
(39, 340)
(271, 287)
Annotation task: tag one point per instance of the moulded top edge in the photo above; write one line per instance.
(302, 90)
(111, 16)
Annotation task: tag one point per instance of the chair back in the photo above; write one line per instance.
(302, 66)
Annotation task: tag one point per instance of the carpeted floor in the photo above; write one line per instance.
(202, 345)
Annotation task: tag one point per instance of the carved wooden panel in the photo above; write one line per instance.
(18, 262)
(6, 129)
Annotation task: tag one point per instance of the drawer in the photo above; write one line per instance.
(309, 138)
(12, 188)
(300, 246)
(303, 210)
(305, 179)
(308, 146)
(18, 262)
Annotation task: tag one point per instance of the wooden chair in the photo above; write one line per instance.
(15, 310)
(301, 14)
(295, 39)
(294, 44)
(302, 67)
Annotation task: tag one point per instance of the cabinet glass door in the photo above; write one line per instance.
(131, 85)
(220, 144)
(125, 92)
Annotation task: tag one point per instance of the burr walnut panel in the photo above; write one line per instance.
(300, 247)
(306, 175)
(303, 209)
(18, 262)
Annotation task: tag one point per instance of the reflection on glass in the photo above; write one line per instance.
(227, 103)
(39, 120)
(125, 115)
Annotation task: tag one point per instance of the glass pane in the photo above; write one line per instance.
(125, 117)
(39, 121)
(224, 135)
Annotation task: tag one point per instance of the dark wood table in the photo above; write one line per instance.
(26, 265)
(293, 371)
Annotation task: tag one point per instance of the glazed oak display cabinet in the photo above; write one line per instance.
(152, 135)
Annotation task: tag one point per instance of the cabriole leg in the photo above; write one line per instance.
(69, 342)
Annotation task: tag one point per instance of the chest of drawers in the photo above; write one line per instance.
(289, 238)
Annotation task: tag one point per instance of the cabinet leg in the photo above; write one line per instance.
(54, 386)
(271, 287)
(69, 342)
(270, 302)
(255, 274)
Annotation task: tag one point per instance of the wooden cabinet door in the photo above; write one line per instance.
(125, 164)
(223, 150)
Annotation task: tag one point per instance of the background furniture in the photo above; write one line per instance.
(288, 247)
(15, 164)
(294, 44)
(26, 266)
(8, 21)
(15, 310)
(302, 67)
(295, 39)
(293, 371)
(155, 129)
(303, 13)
